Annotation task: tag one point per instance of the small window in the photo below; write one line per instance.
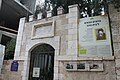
(9, 46)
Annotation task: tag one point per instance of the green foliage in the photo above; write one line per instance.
(57, 3)
(10, 48)
(85, 5)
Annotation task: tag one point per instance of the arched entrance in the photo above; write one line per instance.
(42, 63)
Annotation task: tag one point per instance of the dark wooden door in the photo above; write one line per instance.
(42, 63)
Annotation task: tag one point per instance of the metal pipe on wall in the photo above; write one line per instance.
(0, 4)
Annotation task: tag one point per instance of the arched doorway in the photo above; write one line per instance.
(42, 63)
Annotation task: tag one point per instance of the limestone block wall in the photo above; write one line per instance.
(115, 26)
(7, 74)
(108, 73)
(66, 26)
(65, 40)
(26, 41)
(0, 3)
(109, 69)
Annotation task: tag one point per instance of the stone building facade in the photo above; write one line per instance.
(61, 32)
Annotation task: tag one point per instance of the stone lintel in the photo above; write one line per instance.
(81, 58)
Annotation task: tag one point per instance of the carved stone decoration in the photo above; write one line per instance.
(43, 30)
(60, 10)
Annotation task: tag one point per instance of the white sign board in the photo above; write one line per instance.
(94, 37)
(36, 72)
(2, 50)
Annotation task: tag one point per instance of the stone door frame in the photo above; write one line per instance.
(31, 44)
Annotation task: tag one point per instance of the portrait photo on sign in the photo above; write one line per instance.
(100, 34)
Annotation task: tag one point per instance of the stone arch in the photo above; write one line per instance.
(31, 44)
(42, 57)
(37, 44)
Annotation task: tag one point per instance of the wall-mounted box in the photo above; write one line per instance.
(71, 66)
(96, 67)
(82, 67)
(75, 66)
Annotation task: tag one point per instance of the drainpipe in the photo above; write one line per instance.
(0, 4)
(0, 36)
(107, 10)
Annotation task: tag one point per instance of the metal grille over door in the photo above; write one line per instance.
(42, 63)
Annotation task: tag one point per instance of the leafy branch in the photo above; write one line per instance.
(88, 7)
(10, 48)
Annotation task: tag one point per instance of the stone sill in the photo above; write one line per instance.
(84, 70)
(81, 58)
(79, 70)
(71, 70)
(75, 58)
(41, 37)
